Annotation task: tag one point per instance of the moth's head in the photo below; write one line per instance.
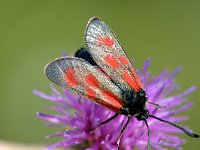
(142, 96)
(143, 115)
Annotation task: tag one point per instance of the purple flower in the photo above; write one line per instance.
(78, 116)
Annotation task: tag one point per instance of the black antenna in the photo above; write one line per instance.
(156, 105)
(177, 126)
(148, 130)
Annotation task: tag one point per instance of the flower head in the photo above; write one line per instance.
(79, 116)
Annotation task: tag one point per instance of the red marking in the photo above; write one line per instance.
(137, 79)
(105, 41)
(70, 77)
(124, 60)
(113, 102)
(91, 81)
(112, 61)
(130, 80)
(90, 93)
(109, 101)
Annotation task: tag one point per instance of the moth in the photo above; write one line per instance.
(103, 74)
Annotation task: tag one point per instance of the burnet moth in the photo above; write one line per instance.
(103, 73)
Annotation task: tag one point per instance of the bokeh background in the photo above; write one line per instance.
(34, 32)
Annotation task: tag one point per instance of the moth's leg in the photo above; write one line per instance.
(122, 131)
(106, 121)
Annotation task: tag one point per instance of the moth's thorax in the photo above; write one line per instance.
(134, 104)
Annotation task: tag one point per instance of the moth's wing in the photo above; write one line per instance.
(80, 77)
(84, 54)
(106, 51)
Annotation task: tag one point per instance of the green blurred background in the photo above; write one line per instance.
(35, 32)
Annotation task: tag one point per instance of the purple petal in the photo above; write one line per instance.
(176, 71)
(145, 66)
(50, 118)
(63, 53)
(54, 90)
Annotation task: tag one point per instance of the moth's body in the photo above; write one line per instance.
(103, 73)
(134, 102)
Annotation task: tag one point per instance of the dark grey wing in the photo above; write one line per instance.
(106, 51)
(80, 77)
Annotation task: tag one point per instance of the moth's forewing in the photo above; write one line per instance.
(80, 77)
(106, 51)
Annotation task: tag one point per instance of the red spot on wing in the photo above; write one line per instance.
(124, 60)
(105, 41)
(130, 80)
(70, 77)
(91, 81)
(113, 102)
(137, 79)
(112, 61)
(90, 93)
(109, 101)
